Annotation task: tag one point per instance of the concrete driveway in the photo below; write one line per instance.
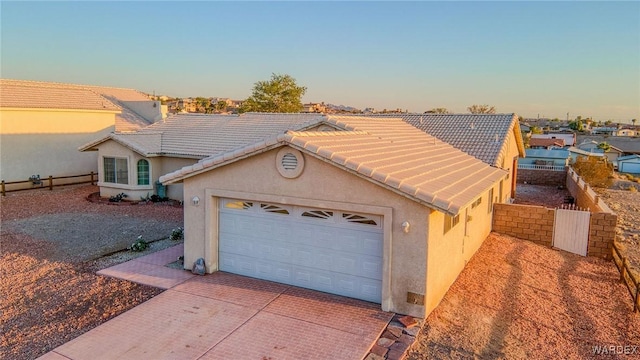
(224, 316)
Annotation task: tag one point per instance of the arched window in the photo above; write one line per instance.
(143, 172)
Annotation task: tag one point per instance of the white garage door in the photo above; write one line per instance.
(327, 250)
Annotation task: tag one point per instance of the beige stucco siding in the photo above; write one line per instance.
(45, 142)
(322, 185)
(448, 253)
(158, 166)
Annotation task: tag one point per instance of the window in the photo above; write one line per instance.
(450, 222)
(476, 203)
(116, 170)
(143, 172)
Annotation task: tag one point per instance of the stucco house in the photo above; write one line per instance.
(366, 207)
(629, 164)
(132, 163)
(592, 147)
(544, 159)
(44, 123)
(569, 138)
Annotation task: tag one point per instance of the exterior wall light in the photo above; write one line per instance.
(405, 227)
(195, 201)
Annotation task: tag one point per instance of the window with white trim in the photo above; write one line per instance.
(116, 170)
(143, 172)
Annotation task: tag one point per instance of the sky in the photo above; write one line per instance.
(537, 59)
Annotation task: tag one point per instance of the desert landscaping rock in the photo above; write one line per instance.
(49, 293)
(82, 237)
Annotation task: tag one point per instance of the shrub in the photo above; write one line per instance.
(594, 170)
(139, 245)
(632, 188)
(177, 234)
(117, 198)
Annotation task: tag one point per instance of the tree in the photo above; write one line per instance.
(536, 130)
(604, 146)
(633, 121)
(220, 106)
(438, 111)
(482, 109)
(594, 170)
(576, 125)
(280, 94)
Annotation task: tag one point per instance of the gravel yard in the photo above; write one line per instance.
(51, 245)
(519, 300)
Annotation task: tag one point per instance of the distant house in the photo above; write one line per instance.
(629, 164)
(365, 207)
(537, 143)
(592, 147)
(544, 159)
(575, 152)
(569, 138)
(43, 124)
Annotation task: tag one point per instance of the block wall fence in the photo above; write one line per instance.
(542, 177)
(536, 223)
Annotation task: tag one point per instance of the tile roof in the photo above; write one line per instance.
(202, 135)
(386, 151)
(53, 95)
(17, 95)
(546, 142)
(484, 136)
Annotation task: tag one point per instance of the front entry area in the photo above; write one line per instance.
(328, 250)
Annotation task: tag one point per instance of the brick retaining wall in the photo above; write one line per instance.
(542, 177)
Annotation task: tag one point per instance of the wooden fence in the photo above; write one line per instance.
(627, 277)
(38, 183)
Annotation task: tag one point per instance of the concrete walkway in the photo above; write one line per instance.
(226, 316)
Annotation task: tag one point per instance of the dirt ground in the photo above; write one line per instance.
(548, 196)
(519, 300)
(51, 245)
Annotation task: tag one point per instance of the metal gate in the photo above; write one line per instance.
(571, 231)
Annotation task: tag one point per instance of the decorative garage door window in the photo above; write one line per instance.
(305, 213)
(330, 250)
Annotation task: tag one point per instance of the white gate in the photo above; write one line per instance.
(571, 231)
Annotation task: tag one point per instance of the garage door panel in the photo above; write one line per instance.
(318, 253)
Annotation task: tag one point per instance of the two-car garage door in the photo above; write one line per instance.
(328, 250)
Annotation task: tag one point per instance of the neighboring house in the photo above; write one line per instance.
(626, 132)
(537, 143)
(569, 138)
(370, 208)
(495, 139)
(544, 159)
(574, 152)
(313, 108)
(629, 164)
(628, 145)
(604, 130)
(133, 162)
(592, 146)
(43, 124)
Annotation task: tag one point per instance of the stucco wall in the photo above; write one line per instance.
(449, 253)
(325, 186)
(46, 142)
(158, 167)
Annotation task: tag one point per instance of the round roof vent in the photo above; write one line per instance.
(289, 162)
